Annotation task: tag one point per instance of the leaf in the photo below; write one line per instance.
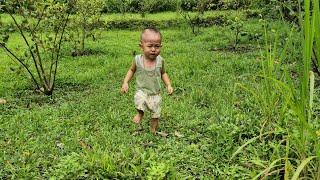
(301, 166)
(3, 101)
(163, 134)
(5, 38)
(179, 135)
(148, 144)
(272, 165)
(311, 76)
(60, 145)
(85, 145)
(248, 142)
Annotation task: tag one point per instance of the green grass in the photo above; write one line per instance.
(84, 129)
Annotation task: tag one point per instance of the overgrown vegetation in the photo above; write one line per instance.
(287, 105)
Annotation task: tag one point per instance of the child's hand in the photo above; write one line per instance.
(170, 89)
(125, 87)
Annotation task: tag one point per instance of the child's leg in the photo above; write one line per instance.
(137, 118)
(154, 125)
(154, 104)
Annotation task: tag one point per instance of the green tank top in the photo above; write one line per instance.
(148, 80)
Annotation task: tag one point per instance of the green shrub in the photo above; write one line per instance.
(235, 4)
(84, 23)
(123, 6)
(141, 23)
(41, 26)
(282, 9)
(137, 6)
(253, 13)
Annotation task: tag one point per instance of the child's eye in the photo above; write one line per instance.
(154, 46)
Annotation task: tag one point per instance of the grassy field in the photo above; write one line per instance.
(85, 130)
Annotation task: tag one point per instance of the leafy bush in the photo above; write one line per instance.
(138, 6)
(281, 9)
(236, 25)
(83, 24)
(235, 4)
(141, 23)
(193, 20)
(41, 29)
(253, 13)
(123, 6)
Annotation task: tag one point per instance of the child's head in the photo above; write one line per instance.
(150, 43)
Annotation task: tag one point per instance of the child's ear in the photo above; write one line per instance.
(140, 45)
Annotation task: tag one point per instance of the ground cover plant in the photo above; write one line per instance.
(227, 118)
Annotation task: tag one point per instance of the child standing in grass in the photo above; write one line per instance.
(149, 69)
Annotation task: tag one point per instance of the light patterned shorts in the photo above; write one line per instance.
(145, 102)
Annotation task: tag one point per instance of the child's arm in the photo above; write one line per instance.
(130, 73)
(165, 78)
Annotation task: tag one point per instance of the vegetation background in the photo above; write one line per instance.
(246, 103)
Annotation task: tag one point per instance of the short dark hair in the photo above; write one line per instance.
(153, 29)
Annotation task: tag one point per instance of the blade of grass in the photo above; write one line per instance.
(287, 162)
(311, 94)
(248, 142)
(301, 166)
(272, 165)
(317, 32)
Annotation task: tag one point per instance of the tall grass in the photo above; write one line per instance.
(317, 36)
(301, 102)
(301, 155)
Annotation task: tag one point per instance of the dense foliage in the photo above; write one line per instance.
(119, 6)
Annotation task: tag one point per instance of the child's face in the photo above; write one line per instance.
(150, 44)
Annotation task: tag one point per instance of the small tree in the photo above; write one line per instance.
(124, 6)
(86, 19)
(41, 29)
(194, 18)
(146, 6)
(236, 25)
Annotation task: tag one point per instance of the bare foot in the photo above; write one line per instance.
(153, 131)
(137, 118)
(154, 125)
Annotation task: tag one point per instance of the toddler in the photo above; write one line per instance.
(149, 70)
